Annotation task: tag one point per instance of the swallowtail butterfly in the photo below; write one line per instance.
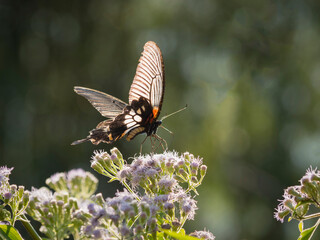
(145, 101)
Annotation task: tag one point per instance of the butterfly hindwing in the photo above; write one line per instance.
(133, 121)
(107, 105)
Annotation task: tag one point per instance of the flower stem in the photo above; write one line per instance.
(26, 223)
(130, 190)
(312, 216)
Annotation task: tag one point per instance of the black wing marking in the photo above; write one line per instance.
(149, 79)
(107, 105)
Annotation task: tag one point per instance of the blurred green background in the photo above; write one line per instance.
(248, 71)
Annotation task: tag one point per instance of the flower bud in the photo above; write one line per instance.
(166, 226)
(170, 208)
(45, 210)
(183, 173)
(303, 200)
(186, 156)
(194, 179)
(135, 208)
(138, 230)
(203, 170)
(97, 167)
(13, 188)
(105, 162)
(169, 167)
(280, 215)
(116, 161)
(315, 177)
(88, 229)
(7, 196)
(145, 208)
(118, 154)
(25, 198)
(98, 198)
(73, 202)
(60, 203)
(293, 192)
(20, 191)
(124, 230)
(115, 219)
(310, 188)
(132, 215)
(181, 163)
(97, 234)
(175, 225)
(194, 165)
(153, 224)
(143, 218)
(91, 209)
(289, 204)
(302, 210)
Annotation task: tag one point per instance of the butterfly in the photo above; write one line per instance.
(145, 102)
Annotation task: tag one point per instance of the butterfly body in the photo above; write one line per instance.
(145, 101)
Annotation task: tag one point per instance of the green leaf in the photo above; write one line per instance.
(179, 236)
(308, 233)
(8, 232)
(300, 226)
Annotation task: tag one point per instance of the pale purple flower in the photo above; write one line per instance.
(189, 207)
(74, 173)
(55, 178)
(125, 207)
(203, 235)
(161, 198)
(41, 195)
(97, 234)
(124, 230)
(7, 195)
(4, 174)
(5, 171)
(124, 173)
(167, 183)
(168, 205)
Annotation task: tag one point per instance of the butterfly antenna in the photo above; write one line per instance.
(166, 129)
(174, 113)
(80, 141)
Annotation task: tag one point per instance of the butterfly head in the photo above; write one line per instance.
(154, 127)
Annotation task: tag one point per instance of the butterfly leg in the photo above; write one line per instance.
(142, 144)
(152, 144)
(161, 142)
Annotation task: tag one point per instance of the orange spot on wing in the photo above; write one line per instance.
(110, 137)
(155, 112)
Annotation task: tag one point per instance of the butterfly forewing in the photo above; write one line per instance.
(149, 79)
(107, 105)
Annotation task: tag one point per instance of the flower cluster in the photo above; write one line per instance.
(297, 199)
(122, 216)
(13, 196)
(61, 213)
(157, 200)
(158, 193)
(77, 182)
